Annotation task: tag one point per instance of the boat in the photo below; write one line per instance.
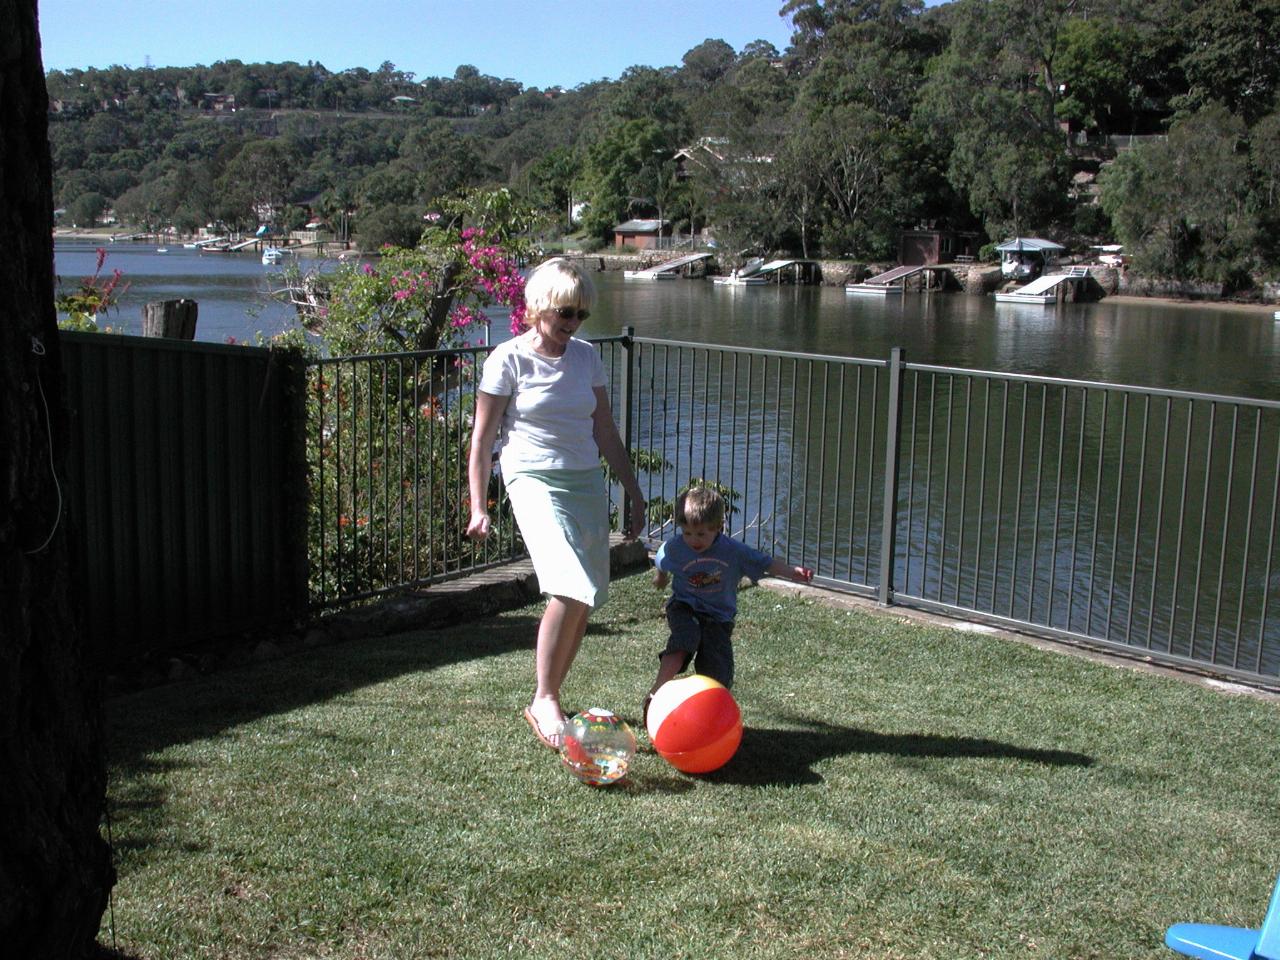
(162, 249)
(272, 255)
(736, 280)
(748, 273)
(1026, 258)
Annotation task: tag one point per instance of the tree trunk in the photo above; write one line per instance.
(55, 869)
(438, 312)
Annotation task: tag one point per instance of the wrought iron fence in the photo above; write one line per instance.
(1135, 518)
(1140, 519)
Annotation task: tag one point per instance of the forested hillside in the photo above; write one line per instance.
(1151, 122)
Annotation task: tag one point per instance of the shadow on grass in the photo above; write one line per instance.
(787, 757)
(143, 723)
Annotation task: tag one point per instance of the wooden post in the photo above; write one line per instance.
(174, 319)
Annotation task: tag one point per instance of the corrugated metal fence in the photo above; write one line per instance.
(187, 489)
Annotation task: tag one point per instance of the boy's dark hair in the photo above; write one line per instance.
(700, 506)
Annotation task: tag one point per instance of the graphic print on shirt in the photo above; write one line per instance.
(710, 579)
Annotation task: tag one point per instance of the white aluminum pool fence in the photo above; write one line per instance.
(1138, 519)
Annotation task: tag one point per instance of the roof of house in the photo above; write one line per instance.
(641, 226)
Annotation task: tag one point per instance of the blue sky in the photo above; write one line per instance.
(539, 43)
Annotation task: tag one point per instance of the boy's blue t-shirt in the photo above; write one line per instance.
(708, 581)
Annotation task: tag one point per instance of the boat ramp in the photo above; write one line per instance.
(669, 270)
(894, 281)
(756, 272)
(1055, 288)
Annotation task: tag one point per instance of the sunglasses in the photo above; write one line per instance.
(568, 313)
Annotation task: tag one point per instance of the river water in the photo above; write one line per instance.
(1213, 349)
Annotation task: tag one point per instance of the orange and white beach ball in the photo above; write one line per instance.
(695, 724)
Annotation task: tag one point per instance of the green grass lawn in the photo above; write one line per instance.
(902, 791)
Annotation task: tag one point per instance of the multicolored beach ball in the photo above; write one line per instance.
(695, 724)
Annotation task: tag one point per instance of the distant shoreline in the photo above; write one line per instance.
(1239, 306)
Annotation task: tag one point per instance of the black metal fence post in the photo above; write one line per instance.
(626, 392)
(892, 443)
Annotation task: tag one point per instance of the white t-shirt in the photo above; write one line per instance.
(547, 423)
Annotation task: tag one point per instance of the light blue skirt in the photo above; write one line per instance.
(564, 519)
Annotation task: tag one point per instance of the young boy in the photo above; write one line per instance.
(705, 567)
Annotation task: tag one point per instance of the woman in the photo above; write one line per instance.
(542, 400)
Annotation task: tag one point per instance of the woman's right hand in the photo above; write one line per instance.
(478, 527)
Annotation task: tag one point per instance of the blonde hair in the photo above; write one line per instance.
(700, 506)
(558, 283)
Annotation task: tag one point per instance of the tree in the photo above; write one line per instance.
(257, 180)
(1264, 149)
(55, 869)
(615, 172)
(443, 161)
(548, 183)
(429, 295)
(388, 225)
(991, 100)
(1233, 56)
(85, 209)
(708, 62)
(1182, 206)
(848, 152)
(1097, 73)
(1264, 154)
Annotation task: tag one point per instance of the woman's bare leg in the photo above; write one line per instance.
(560, 633)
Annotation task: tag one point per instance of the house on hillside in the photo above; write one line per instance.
(715, 155)
(219, 102)
(919, 247)
(707, 152)
(641, 234)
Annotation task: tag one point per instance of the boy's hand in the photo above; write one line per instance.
(660, 579)
(802, 574)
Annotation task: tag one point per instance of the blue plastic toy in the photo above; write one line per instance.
(1208, 941)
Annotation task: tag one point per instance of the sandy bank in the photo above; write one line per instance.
(1234, 306)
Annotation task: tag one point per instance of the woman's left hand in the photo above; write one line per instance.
(637, 521)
